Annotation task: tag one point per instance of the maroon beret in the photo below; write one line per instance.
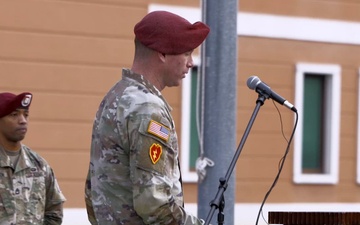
(169, 33)
(10, 102)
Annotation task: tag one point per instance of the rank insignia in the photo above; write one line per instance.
(159, 130)
(155, 153)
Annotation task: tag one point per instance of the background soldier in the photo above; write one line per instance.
(29, 192)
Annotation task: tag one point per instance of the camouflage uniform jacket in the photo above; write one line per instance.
(134, 175)
(29, 193)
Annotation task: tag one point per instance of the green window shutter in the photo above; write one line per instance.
(194, 140)
(312, 152)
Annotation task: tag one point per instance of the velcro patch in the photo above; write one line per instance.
(159, 130)
(155, 153)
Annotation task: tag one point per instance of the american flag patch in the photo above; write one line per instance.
(158, 130)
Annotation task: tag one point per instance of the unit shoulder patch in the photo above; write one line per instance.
(155, 152)
(158, 130)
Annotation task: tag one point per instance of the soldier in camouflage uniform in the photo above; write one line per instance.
(134, 175)
(29, 192)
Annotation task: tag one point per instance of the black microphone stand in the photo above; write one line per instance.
(219, 201)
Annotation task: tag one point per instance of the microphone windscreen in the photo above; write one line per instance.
(252, 82)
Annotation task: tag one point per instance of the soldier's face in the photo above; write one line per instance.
(177, 68)
(13, 127)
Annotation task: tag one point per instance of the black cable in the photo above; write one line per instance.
(281, 162)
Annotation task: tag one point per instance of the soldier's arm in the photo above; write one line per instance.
(156, 187)
(88, 201)
(53, 214)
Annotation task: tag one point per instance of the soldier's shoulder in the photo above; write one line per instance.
(35, 157)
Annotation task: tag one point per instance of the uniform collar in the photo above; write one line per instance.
(127, 73)
(4, 158)
(24, 159)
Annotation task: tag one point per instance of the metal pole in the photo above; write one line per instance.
(219, 128)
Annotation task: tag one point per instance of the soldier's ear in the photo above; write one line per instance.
(162, 56)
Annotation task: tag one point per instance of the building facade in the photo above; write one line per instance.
(69, 53)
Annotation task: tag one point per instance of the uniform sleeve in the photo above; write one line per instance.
(88, 200)
(54, 200)
(155, 174)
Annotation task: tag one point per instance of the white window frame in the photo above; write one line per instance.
(332, 139)
(187, 175)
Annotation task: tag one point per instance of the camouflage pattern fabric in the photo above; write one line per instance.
(29, 193)
(134, 175)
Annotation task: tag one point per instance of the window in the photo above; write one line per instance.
(189, 137)
(316, 150)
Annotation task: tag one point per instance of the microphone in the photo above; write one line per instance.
(260, 87)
